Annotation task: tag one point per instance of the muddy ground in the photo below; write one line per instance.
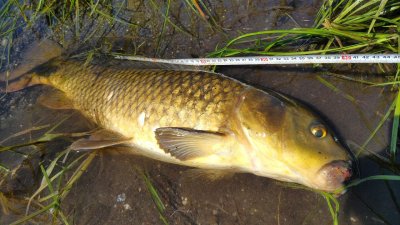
(113, 191)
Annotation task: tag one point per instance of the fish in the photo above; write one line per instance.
(198, 119)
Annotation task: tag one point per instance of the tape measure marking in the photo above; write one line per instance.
(264, 60)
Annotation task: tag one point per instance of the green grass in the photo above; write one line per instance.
(331, 198)
(333, 205)
(58, 17)
(53, 188)
(166, 16)
(154, 195)
(199, 8)
(337, 29)
(395, 128)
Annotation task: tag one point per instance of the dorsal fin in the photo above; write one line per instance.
(156, 65)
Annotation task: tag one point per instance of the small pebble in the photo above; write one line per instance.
(121, 197)
(4, 42)
(127, 207)
(184, 200)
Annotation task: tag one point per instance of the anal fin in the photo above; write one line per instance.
(99, 139)
(208, 174)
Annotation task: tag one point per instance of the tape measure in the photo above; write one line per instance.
(265, 60)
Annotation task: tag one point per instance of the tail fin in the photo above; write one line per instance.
(25, 81)
(38, 53)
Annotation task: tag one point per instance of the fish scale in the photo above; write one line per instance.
(199, 119)
(117, 98)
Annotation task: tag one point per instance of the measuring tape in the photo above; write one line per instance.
(264, 60)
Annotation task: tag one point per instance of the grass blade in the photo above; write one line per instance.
(378, 127)
(395, 128)
(380, 10)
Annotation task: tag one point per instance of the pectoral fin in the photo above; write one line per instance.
(185, 144)
(100, 139)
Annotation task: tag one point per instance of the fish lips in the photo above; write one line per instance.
(335, 174)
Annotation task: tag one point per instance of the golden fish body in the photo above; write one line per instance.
(205, 120)
(135, 103)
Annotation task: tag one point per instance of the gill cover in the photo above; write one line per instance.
(290, 142)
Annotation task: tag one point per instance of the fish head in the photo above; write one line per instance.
(286, 141)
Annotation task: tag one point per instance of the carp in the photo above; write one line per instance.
(198, 119)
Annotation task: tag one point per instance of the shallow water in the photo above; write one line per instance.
(112, 190)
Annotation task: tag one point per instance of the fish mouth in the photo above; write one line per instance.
(333, 175)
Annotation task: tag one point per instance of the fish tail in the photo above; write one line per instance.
(24, 81)
(39, 53)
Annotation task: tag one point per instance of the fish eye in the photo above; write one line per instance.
(318, 131)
